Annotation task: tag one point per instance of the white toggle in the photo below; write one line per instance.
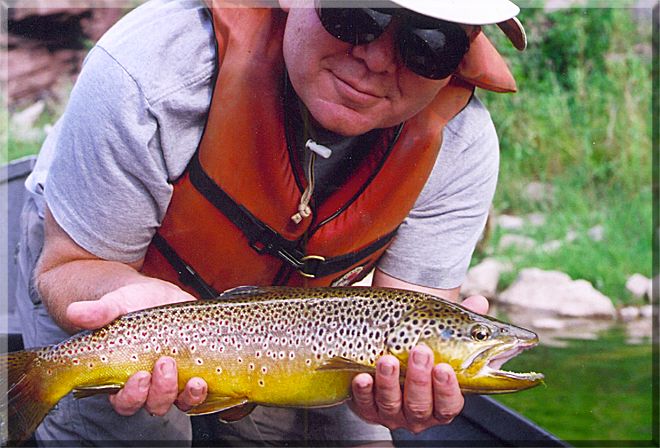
(319, 149)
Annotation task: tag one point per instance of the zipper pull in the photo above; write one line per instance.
(304, 211)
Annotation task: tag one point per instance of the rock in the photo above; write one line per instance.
(483, 278)
(538, 191)
(646, 311)
(628, 313)
(639, 286)
(571, 235)
(517, 242)
(556, 292)
(596, 233)
(536, 219)
(508, 222)
(551, 246)
(549, 324)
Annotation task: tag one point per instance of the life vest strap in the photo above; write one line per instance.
(187, 275)
(264, 240)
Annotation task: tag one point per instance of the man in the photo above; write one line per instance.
(192, 158)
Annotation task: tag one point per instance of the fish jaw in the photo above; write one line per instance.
(483, 373)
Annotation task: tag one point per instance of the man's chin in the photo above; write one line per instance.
(344, 121)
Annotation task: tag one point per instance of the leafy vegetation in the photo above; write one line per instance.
(581, 123)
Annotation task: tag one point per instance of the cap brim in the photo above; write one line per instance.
(469, 12)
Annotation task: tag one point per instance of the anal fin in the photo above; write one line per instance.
(236, 413)
(215, 403)
(90, 391)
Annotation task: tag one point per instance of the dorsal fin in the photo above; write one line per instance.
(242, 291)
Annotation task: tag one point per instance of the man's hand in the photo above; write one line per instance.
(157, 391)
(430, 396)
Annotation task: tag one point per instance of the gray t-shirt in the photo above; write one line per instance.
(135, 118)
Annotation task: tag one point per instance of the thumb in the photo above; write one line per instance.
(478, 304)
(92, 314)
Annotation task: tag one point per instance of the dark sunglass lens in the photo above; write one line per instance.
(356, 26)
(433, 53)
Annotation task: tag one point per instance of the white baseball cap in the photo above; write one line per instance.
(473, 12)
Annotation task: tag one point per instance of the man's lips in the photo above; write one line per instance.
(354, 94)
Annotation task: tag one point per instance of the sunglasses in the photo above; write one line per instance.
(429, 47)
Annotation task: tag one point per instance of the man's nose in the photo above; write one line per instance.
(380, 55)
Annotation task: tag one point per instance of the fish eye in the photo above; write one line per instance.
(480, 332)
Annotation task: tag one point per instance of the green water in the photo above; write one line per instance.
(596, 390)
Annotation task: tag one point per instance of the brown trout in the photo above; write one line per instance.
(272, 346)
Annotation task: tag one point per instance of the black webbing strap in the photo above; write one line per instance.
(265, 240)
(187, 275)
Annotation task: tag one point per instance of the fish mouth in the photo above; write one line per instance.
(487, 365)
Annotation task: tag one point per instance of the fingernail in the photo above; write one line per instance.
(386, 369)
(167, 368)
(421, 359)
(196, 391)
(363, 386)
(441, 376)
(143, 384)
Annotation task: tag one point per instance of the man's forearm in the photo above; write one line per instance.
(67, 273)
(81, 280)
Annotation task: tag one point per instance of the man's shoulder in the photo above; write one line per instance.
(164, 45)
(470, 124)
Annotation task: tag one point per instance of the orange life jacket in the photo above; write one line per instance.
(229, 220)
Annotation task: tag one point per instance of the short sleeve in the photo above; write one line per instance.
(435, 243)
(107, 185)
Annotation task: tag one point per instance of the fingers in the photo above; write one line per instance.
(164, 387)
(447, 398)
(363, 402)
(194, 393)
(431, 394)
(158, 391)
(133, 395)
(418, 389)
(388, 395)
(478, 304)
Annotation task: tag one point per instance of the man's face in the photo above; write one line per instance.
(349, 89)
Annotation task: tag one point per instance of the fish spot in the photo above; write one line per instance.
(262, 383)
(218, 370)
(199, 361)
(264, 369)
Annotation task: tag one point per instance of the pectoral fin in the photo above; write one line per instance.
(215, 403)
(90, 391)
(341, 363)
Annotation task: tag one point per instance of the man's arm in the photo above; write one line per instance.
(82, 291)
(430, 395)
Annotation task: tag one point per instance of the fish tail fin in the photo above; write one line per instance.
(26, 401)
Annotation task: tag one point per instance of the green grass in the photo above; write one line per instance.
(595, 390)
